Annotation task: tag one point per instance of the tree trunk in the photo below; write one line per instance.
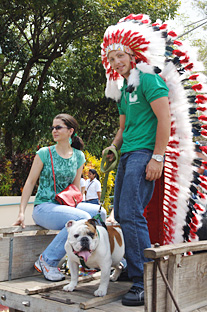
(8, 144)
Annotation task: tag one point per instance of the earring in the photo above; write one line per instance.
(70, 141)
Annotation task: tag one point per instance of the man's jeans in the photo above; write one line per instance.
(54, 217)
(132, 194)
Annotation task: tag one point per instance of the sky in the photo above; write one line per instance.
(188, 14)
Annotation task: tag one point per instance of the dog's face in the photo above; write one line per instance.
(83, 237)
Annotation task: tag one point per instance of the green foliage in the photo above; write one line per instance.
(14, 172)
(51, 63)
(93, 162)
(6, 178)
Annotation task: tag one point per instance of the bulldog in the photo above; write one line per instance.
(97, 247)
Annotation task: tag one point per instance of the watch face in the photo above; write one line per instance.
(158, 157)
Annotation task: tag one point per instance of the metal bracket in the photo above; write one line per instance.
(66, 301)
(10, 258)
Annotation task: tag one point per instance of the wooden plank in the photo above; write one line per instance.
(32, 247)
(19, 229)
(36, 303)
(173, 276)
(4, 256)
(102, 300)
(25, 251)
(161, 288)
(17, 289)
(53, 286)
(174, 249)
(116, 306)
(191, 281)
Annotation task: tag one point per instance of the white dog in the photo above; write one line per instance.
(98, 247)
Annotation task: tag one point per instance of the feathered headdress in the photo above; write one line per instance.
(133, 34)
(158, 51)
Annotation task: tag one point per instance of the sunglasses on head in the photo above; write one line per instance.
(57, 128)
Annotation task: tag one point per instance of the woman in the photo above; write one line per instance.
(93, 187)
(68, 160)
(83, 186)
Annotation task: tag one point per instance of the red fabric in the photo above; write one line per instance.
(4, 308)
(154, 213)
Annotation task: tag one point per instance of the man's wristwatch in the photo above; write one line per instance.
(158, 158)
(114, 145)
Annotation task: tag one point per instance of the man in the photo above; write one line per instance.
(142, 136)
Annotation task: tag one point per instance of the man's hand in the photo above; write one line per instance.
(154, 170)
(110, 155)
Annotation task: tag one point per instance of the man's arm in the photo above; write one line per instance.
(162, 111)
(118, 140)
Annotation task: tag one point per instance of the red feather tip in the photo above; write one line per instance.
(145, 21)
(193, 227)
(201, 195)
(179, 43)
(198, 207)
(202, 109)
(179, 53)
(189, 66)
(193, 77)
(197, 87)
(204, 133)
(195, 220)
(202, 118)
(163, 26)
(201, 97)
(185, 60)
(203, 185)
(172, 33)
(204, 148)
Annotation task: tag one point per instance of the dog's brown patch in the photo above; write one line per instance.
(112, 235)
(91, 227)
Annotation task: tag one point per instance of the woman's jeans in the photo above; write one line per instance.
(132, 194)
(93, 201)
(54, 217)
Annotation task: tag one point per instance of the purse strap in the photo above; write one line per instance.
(53, 172)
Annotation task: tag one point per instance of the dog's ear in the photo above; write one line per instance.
(93, 222)
(69, 223)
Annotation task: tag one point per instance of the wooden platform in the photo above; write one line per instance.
(30, 294)
(23, 289)
(177, 278)
(27, 294)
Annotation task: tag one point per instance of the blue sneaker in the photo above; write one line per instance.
(50, 273)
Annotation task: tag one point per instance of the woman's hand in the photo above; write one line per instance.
(20, 220)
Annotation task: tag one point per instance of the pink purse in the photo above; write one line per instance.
(71, 195)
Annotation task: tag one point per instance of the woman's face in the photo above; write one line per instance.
(91, 175)
(60, 131)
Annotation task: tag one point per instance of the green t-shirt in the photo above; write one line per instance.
(141, 122)
(65, 172)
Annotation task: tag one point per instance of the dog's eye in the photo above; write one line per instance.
(76, 235)
(91, 234)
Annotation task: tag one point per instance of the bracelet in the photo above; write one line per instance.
(116, 147)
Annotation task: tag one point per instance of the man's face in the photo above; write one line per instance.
(120, 62)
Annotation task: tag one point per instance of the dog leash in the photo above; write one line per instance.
(106, 167)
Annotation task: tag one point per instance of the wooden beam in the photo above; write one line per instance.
(92, 303)
(174, 249)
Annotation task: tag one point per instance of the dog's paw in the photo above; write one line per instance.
(114, 276)
(69, 287)
(100, 292)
